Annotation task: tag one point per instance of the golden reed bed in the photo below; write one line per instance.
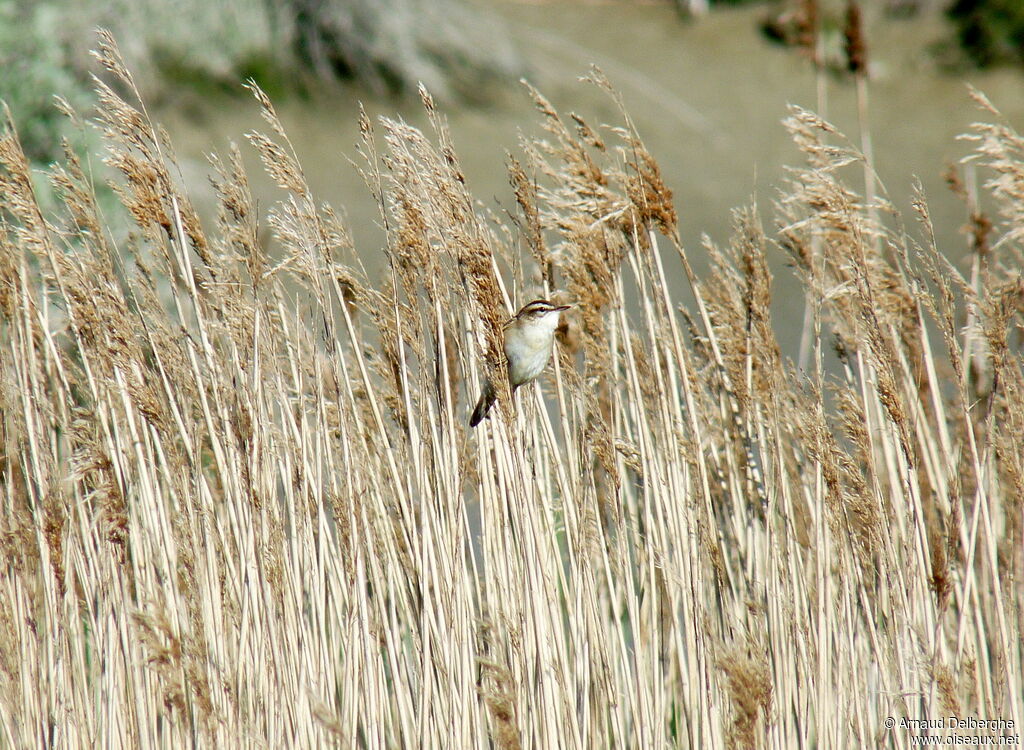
(242, 505)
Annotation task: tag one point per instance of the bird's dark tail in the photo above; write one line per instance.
(483, 405)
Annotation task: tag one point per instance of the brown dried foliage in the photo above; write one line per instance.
(239, 491)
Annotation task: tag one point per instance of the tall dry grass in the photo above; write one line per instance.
(242, 505)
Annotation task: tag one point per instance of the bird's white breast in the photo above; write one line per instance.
(528, 348)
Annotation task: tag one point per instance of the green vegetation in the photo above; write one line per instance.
(36, 64)
(990, 31)
(287, 46)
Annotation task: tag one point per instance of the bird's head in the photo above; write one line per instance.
(541, 309)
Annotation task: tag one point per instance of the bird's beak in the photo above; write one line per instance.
(565, 307)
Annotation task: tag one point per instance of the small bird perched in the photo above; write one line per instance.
(528, 339)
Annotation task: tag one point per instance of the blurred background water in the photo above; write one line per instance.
(706, 94)
(708, 97)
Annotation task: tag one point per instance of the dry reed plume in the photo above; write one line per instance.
(242, 506)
